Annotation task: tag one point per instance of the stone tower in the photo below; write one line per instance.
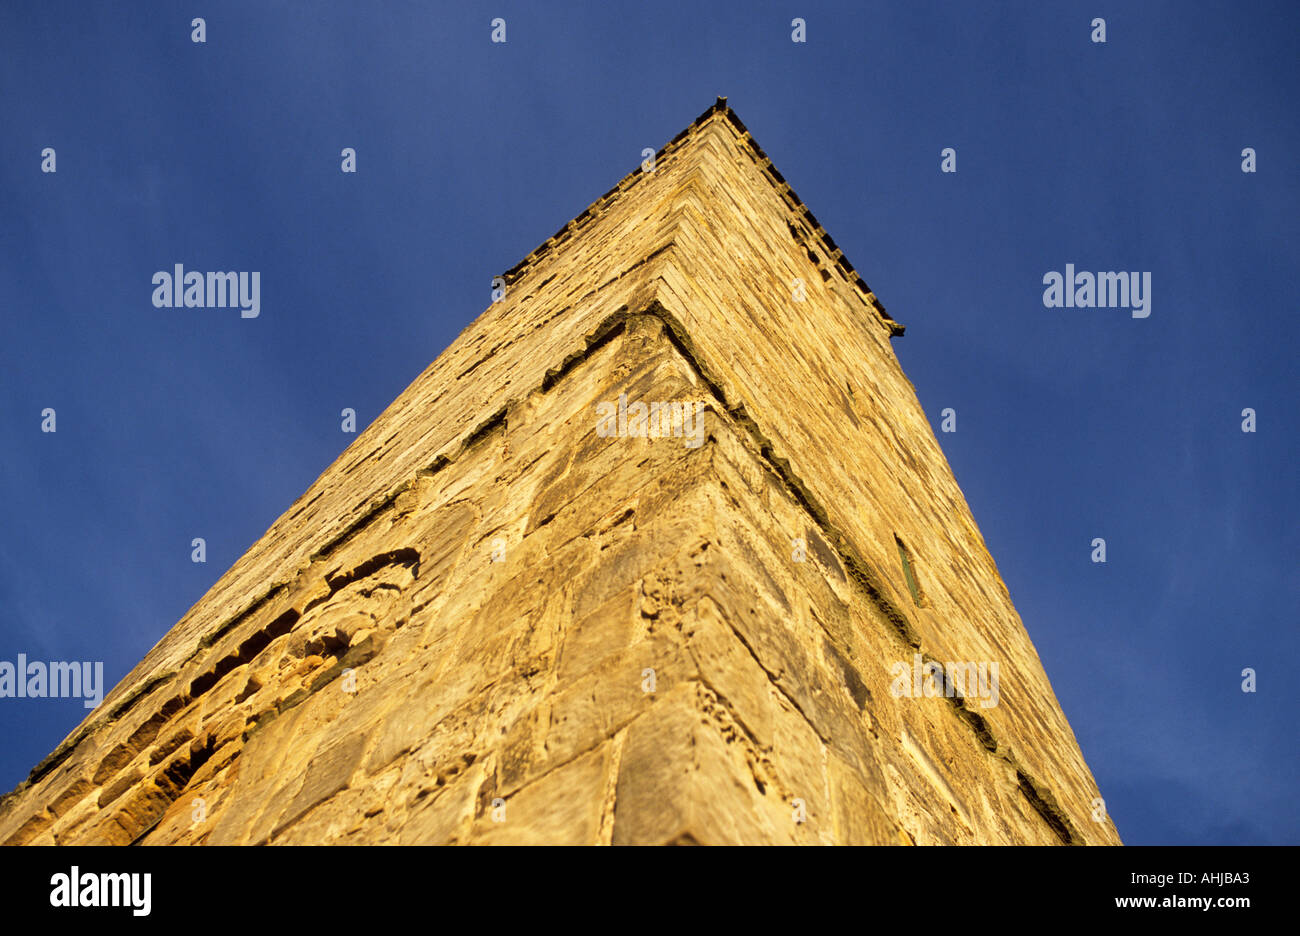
(662, 549)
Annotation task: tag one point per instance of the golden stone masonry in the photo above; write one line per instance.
(508, 613)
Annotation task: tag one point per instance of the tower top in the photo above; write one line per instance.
(829, 254)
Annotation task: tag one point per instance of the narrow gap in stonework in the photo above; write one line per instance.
(909, 573)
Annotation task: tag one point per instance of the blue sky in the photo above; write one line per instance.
(1071, 423)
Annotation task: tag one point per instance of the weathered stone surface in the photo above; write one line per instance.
(487, 622)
